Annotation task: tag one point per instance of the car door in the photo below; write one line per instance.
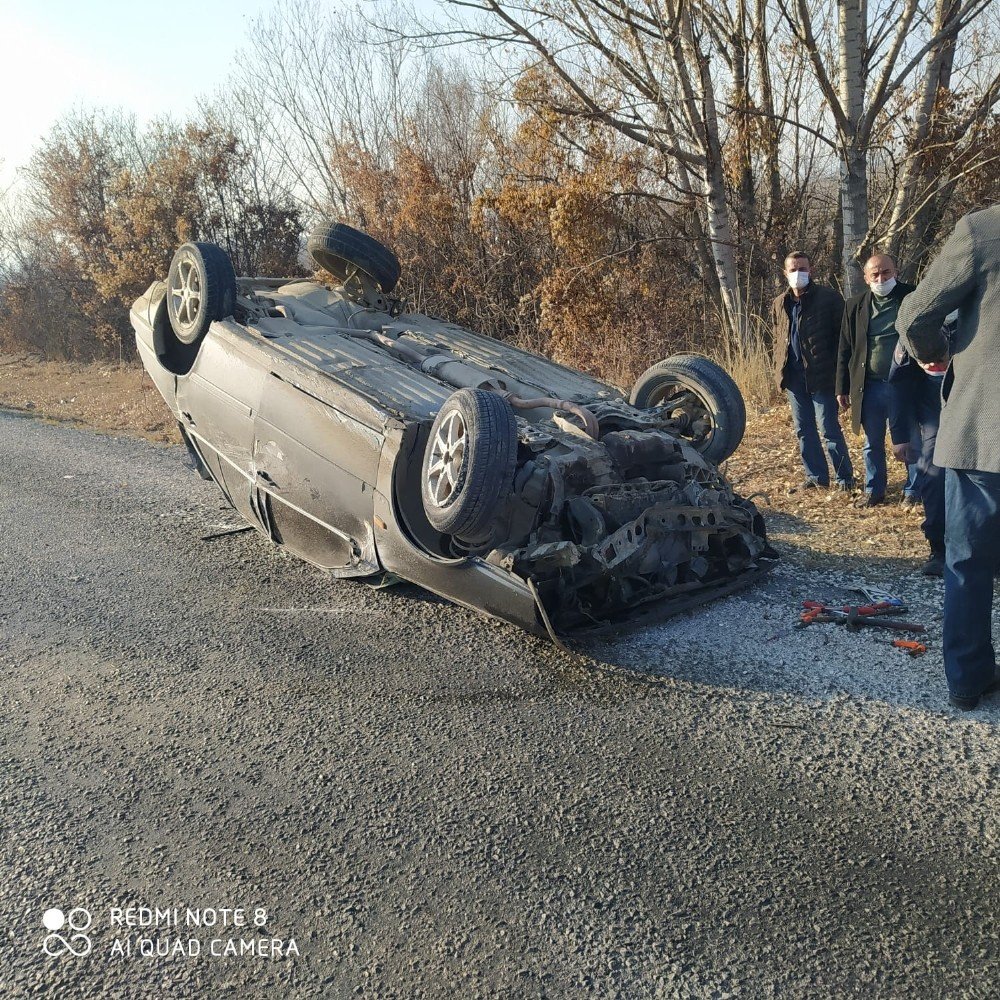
(315, 467)
(217, 400)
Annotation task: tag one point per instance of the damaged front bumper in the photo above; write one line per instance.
(601, 528)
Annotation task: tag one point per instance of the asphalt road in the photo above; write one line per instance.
(431, 804)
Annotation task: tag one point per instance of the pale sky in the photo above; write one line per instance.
(152, 58)
(147, 57)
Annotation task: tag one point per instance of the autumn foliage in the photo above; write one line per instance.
(106, 207)
(572, 208)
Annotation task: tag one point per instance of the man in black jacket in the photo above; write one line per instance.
(806, 321)
(867, 342)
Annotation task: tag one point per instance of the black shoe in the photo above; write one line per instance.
(967, 702)
(934, 566)
(869, 500)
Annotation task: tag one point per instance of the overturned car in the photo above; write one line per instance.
(377, 443)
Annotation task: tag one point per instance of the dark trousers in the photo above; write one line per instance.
(927, 415)
(810, 409)
(972, 546)
(879, 408)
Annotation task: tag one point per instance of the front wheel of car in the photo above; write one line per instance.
(701, 398)
(468, 466)
(201, 288)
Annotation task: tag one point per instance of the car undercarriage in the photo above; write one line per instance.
(485, 467)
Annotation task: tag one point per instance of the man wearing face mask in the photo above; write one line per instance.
(867, 341)
(806, 321)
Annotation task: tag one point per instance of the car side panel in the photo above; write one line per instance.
(217, 400)
(316, 467)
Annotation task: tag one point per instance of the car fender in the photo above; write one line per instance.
(469, 581)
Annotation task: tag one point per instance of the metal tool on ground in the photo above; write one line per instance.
(814, 609)
(882, 608)
(876, 596)
(854, 621)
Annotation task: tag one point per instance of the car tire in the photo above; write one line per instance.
(340, 249)
(201, 288)
(462, 493)
(708, 392)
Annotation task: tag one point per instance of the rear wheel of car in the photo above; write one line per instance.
(201, 288)
(341, 249)
(468, 466)
(702, 397)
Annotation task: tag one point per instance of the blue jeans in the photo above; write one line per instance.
(972, 542)
(927, 412)
(810, 409)
(878, 409)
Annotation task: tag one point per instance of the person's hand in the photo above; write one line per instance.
(844, 402)
(903, 453)
(934, 367)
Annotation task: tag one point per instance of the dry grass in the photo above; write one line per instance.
(816, 523)
(752, 368)
(807, 526)
(119, 399)
(810, 523)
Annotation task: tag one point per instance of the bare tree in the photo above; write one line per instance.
(644, 70)
(950, 140)
(313, 82)
(862, 61)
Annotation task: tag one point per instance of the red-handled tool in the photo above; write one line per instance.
(910, 646)
(882, 608)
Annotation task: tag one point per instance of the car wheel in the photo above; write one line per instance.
(704, 399)
(201, 288)
(468, 467)
(340, 249)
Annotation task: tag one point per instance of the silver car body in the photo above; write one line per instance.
(312, 413)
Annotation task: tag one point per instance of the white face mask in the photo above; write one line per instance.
(798, 279)
(883, 287)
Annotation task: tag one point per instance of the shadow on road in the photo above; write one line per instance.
(750, 641)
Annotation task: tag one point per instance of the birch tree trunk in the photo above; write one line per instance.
(853, 45)
(724, 255)
(770, 127)
(705, 122)
(919, 167)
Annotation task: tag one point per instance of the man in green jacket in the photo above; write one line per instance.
(867, 341)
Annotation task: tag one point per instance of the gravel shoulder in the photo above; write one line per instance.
(432, 804)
